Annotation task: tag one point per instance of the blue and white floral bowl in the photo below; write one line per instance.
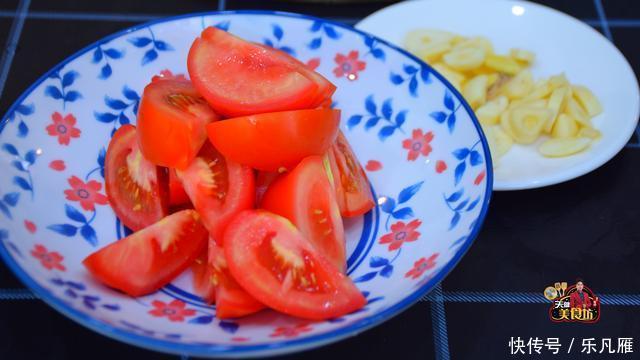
(423, 149)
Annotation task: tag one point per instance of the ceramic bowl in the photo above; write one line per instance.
(423, 150)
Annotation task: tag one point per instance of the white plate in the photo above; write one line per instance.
(561, 44)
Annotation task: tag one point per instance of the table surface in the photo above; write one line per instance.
(586, 228)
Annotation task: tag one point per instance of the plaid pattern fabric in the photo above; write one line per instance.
(493, 295)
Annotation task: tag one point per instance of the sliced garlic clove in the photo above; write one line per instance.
(527, 123)
(564, 127)
(563, 146)
(489, 113)
(463, 59)
(589, 102)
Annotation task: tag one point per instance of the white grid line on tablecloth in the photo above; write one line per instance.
(93, 16)
(603, 19)
(439, 324)
(12, 41)
(117, 17)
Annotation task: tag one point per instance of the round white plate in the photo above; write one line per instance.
(561, 44)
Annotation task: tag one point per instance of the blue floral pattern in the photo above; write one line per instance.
(120, 107)
(63, 91)
(411, 75)
(102, 56)
(77, 291)
(151, 45)
(385, 112)
(278, 33)
(21, 111)
(23, 164)
(320, 29)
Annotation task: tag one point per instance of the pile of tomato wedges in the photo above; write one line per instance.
(242, 174)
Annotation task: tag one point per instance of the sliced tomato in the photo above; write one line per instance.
(177, 195)
(264, 179)
(202, 276)
(218, 188)
(326, 104)
(171, 122)
(306, 197)
(353, 191)
(274, 263)
(231, 299)
(137, 189)
(148, 259)
(275, 141)
(239, 78)
(325, 87)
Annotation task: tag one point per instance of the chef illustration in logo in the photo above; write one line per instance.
(580, 299)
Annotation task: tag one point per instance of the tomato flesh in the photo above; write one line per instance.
(306, 197)
(148, 259)
(202, 284)
(231, 299)
(275, 141)
(274, 263)
(137, 189)
(177, 195)
(171, 122)
(218, 188)
(239, 78)
(353, 191)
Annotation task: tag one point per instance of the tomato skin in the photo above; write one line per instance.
(137, 190)
(306, 197)
(292, 136)
(177, 195)
(239, 78)
(325, 87)
(264, 249)
(148, 259)
(220, 192)
(171, 122)
(352, 187)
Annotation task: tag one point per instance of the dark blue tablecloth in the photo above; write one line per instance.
(588, 228)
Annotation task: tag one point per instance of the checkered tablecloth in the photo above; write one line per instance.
(588, 228)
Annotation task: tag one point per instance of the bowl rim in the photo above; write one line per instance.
(285, 346)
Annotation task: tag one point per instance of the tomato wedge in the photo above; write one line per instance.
(148, 259)
(274, 263)
(177, 195)
(325, 87)
(353, 191)
(306, 197)
(171, 122)
(231, 299)
(202, 275)
(218, 188)
(239, 78)
(275, 141)
(137, 189)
